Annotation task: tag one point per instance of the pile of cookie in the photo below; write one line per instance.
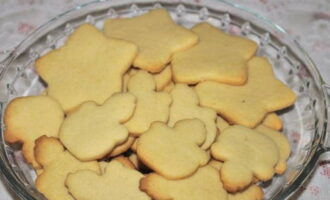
(147, 109)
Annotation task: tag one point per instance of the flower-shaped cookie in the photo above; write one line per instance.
(185, 105)
(162, 78)
(28, 118)
(156, 35)
(122, 159)
(56, 164)
(151, 106)
(203, 184)
(246, 153)
(89, 67)
(282, 143)
(247, 104)
(217, 57)
(123, 147)
(93, 131)
(174, 152)
(252, 192)
(116, 183)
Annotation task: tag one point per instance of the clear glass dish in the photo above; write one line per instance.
(306, 123)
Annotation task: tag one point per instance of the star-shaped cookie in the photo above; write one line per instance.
(89, 67)
(156, 35)
(217, 57)
(247, 104)
(273, 121)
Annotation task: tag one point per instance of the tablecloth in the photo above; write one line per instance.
(308, 21)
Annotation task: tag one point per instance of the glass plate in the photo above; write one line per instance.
(305, 123)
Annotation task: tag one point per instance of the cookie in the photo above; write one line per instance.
(125, 161)
(44, 92)
(151, 106)
(156, 35)
(246, 153)
(28, 118)
(216, 164)
(222, 124)
(126, 78)
(138, 164)
(163, 148)
(56, 164)
(135, 160)
(163, 78)
(103, 165)
(273, 121)
(134, 145)
(185, 105)
(253, 192)
(168, 88)
(123, 147)
(248, 104)
(217, 57)
(117, 182)
(204, 184)
(122, 159)
(283, 146)
(82, 70)
(92, 131)
(38, 171)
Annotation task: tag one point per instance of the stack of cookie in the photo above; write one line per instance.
(148, 109)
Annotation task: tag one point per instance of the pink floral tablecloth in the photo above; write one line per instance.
(307, 20)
